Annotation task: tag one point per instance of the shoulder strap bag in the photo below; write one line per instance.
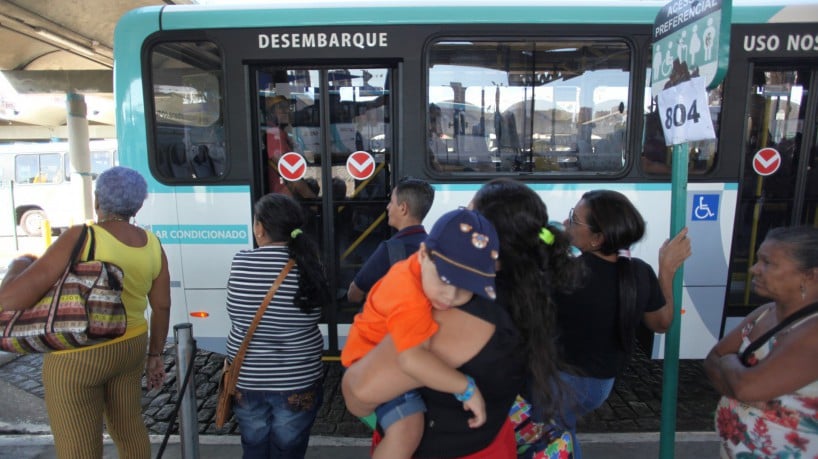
(758, 342)
(230, 375)
(82, 308)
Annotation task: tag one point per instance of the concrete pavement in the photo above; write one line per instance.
(210, 447)
(620, 446)
(595, 446)
(24, 434)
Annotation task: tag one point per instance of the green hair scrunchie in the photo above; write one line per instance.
(546, 236)
(294, 233)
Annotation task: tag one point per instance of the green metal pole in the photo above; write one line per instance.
(670, 377)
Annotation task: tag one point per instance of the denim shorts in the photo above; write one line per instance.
(399, 407)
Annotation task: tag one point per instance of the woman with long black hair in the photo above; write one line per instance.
(280, 382)
(503, 344)
(597, 322)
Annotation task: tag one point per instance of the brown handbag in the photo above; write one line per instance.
(84, 307)
(230, 374)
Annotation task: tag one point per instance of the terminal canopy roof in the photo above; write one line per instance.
(51, 47)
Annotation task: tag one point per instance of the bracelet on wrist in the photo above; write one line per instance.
(466, 394)
(154, 354)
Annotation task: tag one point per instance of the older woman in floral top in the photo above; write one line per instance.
(769, 406)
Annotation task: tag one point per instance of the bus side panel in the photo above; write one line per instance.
(705, 273)
(709, 217)
(701, 319)
(7, 218)
(129, 35)
(210, 332)
(160, 209)
(217, 224)
(179, 312)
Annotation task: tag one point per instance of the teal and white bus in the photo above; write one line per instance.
(218, 105)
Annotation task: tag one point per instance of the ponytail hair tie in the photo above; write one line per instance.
(294, 233)
(546, 236)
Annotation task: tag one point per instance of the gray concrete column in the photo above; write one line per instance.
(80, 155)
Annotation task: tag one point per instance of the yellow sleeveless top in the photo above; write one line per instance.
(141, 266)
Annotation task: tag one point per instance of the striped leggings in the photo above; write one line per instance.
(82, 386)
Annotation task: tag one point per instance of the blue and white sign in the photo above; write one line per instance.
(705, 207)
(202, 234)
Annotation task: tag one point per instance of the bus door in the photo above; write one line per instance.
(779, 183)
(324, 136)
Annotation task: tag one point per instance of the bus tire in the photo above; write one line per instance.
(32, 222)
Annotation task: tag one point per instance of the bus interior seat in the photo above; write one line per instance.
(507, 140)
(201, 162)
(505, 131)
(179, 167)
(218, 158)
(603, 147)
(163, 160)
(605, 157)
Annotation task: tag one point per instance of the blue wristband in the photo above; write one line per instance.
(468, 392)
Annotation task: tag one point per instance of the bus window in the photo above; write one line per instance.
(532, 106)
(50, 168)
(330, 116)
(289, 101)
(101, 160)
(656, 157)
(26, 168)
(42, 168)
(187, 113)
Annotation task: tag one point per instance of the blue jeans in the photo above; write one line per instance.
(588, 395)
(400, 407)
(277, 424)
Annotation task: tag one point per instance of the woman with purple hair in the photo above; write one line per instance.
(102, 382)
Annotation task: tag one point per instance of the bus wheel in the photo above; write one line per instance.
(32, 222)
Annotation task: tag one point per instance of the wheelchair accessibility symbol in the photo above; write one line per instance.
(705, 207)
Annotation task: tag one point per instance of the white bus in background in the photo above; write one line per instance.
(41, 176)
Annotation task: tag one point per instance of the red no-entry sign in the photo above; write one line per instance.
(292, 166)
(766, 161)
(360, 165)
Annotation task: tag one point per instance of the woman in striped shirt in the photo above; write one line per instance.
(279, 386)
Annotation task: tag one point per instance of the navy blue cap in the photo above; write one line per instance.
(464, 247)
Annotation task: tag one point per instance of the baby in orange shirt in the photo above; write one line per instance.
(456, 261)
